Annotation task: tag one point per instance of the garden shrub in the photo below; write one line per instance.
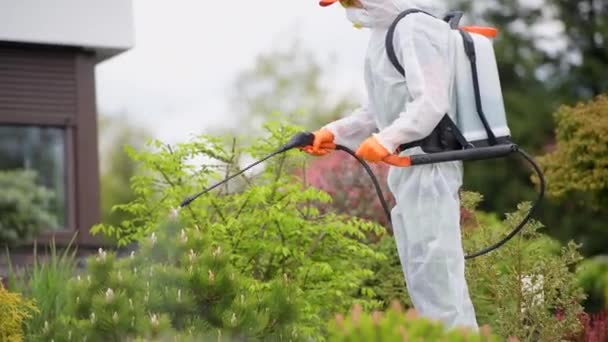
(179, 282)
(269, 221)
(579, 164)
(24, 207)
(397, 325)
(528, 287)
(14, 310)
(388, 283)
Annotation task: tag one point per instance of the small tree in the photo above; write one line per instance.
(579, 164)
(271, 227)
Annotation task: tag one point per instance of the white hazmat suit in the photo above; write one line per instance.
(426, 218)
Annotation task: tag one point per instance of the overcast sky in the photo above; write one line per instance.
(188, 52)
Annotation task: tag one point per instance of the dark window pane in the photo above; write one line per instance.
(41, 149)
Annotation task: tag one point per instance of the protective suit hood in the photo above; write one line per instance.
(381, 13)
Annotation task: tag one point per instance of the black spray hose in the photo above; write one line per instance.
(482, 153)
(522, 224)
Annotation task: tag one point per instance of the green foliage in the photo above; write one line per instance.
(178, 282)
(116, 166)
(592, 275)
(45, 283)
(580, 162)
(269, 222)
(24, 207)
(576, 175)
(527, 288)
(14, 310)
(388, 282)
(395, 325)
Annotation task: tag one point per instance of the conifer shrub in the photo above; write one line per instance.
(179, 283)
(396, 325)
(14, 310)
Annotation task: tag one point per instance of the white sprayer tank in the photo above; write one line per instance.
(468, 119)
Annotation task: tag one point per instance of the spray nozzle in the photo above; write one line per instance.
(301, 139)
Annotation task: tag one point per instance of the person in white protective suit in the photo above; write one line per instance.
(426, 218)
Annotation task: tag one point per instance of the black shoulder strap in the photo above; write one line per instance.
(469, 49)
(390, 35)
(453, 18)
(446, 136)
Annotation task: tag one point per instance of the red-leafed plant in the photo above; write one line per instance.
(351, 189)
(345, 180)
(595, 327)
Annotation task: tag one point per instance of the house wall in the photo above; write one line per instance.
(55, 87)
(104, 26)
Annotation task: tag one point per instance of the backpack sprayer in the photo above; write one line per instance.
(479, 133)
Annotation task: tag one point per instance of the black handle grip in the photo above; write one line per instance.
(475, 153)
(301, 139)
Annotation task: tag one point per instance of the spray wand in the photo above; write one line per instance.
(303, 139)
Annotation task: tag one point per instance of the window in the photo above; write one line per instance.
(43, 150)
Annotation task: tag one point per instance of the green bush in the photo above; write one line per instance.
(177, 283)
(24, 207)
(396, 325)
(269, 222)
(527, 288)
(388, 282)
(579, 164)
(592, 275)
(14, 310)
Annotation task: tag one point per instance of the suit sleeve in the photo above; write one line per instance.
(350, 131)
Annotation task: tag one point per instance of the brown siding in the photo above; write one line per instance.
(87, 167)
(39, 82)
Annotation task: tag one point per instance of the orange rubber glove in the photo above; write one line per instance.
(372, 151)
(323, 144)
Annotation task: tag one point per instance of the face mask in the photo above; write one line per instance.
(358, 16)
